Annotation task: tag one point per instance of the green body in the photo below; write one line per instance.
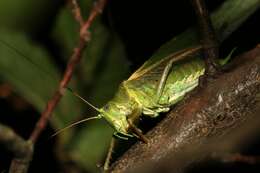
(138, 94)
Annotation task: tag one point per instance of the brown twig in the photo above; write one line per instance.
(77, 12)
(202, 123)
(22, 163)
(208, 35)
(98, 8)
(21, 149)
(74, 60)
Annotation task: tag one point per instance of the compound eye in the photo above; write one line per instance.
(106, 107)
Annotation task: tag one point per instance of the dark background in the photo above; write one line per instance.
(143, 26)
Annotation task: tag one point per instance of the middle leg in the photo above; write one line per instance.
(109, 154)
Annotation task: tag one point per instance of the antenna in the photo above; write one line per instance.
(84, 100)
(80, 121)
(44, 71)
(76, 123)
(18, 52)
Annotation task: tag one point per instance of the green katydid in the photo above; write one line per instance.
(152, 90)
(148, 91)
(156, 86)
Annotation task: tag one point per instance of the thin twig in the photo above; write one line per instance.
(77, 12)
(208, 35)
(97, 9)
(21, 149)
(21, 163)
(74, 60)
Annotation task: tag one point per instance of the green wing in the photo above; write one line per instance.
(157, 68)
(185, 40)
(223, 20)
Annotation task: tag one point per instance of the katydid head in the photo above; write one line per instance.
(122, 111)
(116, 117)
(115, 114)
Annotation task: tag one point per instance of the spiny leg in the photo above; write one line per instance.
(162, 82)
(109, 154)
(181, 55)
(137, 132)
(209, 40)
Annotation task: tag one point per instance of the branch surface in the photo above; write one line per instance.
(208, 117)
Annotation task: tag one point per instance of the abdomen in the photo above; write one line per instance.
(183, 78)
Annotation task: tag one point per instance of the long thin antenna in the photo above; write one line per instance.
(76, 123)
(46, 73)
(77, 95)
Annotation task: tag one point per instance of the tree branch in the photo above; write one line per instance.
(21, 149)
(21, 165)
(205, 121)
(74, 60)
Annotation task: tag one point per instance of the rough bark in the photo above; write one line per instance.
(220, 116)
